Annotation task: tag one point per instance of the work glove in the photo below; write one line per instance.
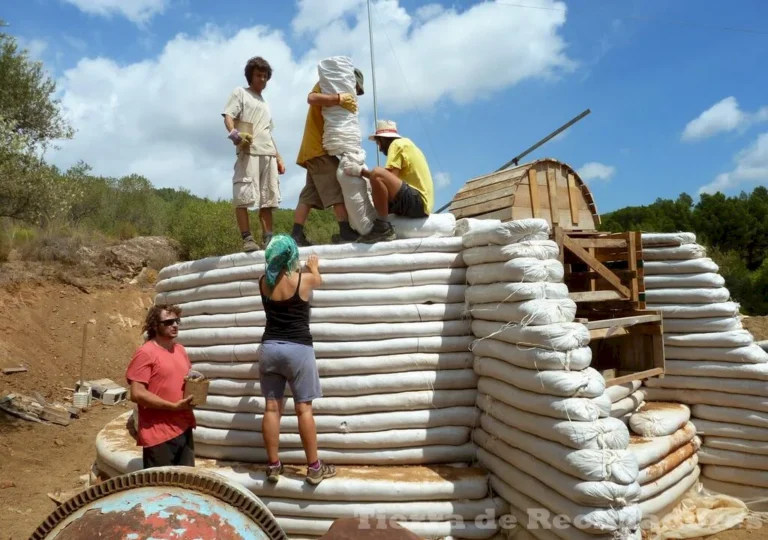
(349, 102)
(353, 169)
(235, 137)
(247, 140)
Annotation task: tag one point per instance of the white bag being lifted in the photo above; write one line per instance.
(341, 138)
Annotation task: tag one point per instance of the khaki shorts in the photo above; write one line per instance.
(322, 189)
(255, 182)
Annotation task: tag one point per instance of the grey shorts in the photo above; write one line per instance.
(283, 362)
(407, 203)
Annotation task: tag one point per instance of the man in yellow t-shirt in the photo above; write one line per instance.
(402, 187)
(322, 189)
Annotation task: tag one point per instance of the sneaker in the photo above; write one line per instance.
(274, 472)
(379, 233)
(266, 238)
(249, 244)
(315, 476)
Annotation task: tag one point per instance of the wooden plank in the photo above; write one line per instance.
(505, 214)
(503, 191)
(623, 274)
(623, 321)
(600, 242)
(647, 374)
(461, 196)
(533, 189)
(596, 296)
(632, 249)
(595, 265)
(605, 333)
(494, 178)
(483, 208)
(552, 187)
(573, 196)
(559, 240)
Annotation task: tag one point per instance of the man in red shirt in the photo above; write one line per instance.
(156, 377)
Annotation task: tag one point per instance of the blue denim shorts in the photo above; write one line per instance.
(282, 362)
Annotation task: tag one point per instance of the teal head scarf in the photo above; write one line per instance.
(282, 254)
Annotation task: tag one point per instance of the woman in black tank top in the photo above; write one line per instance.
(286, 354)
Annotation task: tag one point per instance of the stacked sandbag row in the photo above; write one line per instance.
(545, 433)
(392, 347)
(626, 400)
(712, 364)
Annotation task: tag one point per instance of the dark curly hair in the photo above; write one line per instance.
(259, 64)
(153, 318)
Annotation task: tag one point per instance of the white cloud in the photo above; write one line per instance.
(751, 166)
(722, 117)
(161, 117)
(441, 179)
(596, 171)
(35, 47)
(137, 11)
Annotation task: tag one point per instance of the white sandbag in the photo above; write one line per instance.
(729, 458)
(620, 391)
(351, 405)
(683, 252)
(300, 528)
(574, 409)
(465, 225)
(690, 266)
(751, 354)
(716, 430)
(667, 239)
(743, 446)
(695, 311)
(533, 312)
(338, 349)
(334, 367)
(535, 249)
(536, 522)
(702, 325)
(557, 337)
(733, 386)
(361, 385)
(521, 270)
(707, 397)
(659, 505)
(670, 281)
(628, 405)
(659, 419)
(738, 475)
(598, 494)
(432, 225)
(533, 357)
(389, 280)
(515, 292)
(754, 497)
(730, 415)
(735, 338)
(357, 423)
(604, 433)
(587, 383)
(328, 332)
(510, 232)
(590, 519)
(660, 468)
(619, 466)
(687, 296)
(653, 450)
(401, 438)
(669, 480)
(348, 456)
(415, 511)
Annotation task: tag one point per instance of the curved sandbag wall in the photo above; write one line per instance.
(546, 433)
(713, 365)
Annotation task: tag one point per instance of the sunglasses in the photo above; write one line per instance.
(169, 322)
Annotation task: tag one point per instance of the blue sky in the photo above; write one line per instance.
(150, 76)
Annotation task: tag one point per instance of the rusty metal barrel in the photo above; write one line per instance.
(182, 503)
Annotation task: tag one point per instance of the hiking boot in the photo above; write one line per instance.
(266, 238)
(300, 239)
(249, 244)
(274, 472)
(382, 232)
(315, 476)
(346, 235)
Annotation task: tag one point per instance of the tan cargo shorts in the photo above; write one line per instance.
(322, 189)
(255, 182)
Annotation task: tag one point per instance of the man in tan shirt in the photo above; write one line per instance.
(255, 181)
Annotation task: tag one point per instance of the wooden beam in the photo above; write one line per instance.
(554, 208)
(634, 288)
(533, 188)
(501, 191)
(596, 296)
(558, 234)
(596, 265)
(634, 377)
(623, 321)
(600, 242)
(605, 333)
(483, 208)
(623, 274)
(573, 198)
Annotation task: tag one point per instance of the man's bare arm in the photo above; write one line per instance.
(229, 123)
(323, 100)
(142, 396)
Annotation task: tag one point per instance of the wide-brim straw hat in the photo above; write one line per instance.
(385, 128)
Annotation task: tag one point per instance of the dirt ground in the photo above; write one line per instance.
(41, 324)
(758, 326)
